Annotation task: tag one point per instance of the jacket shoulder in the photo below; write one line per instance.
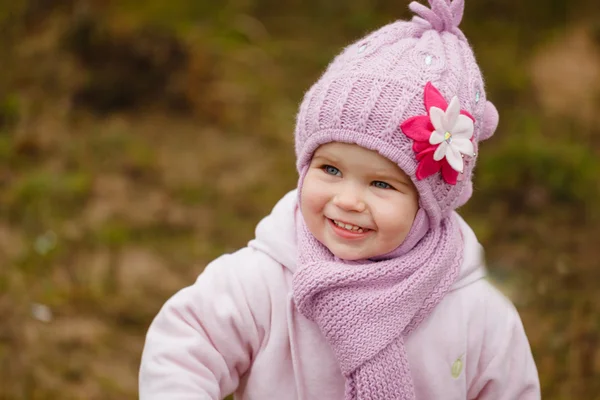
(250, 268)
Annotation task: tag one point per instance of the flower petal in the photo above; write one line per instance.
(436, 138)
(454, 159)
(433, 98)
(449, 174)
(419, 147)
(428, 151)
(452, 113)
(417, 128)
(437, 120)
(464, 146)
(440, 152)
(463, 127)
(427, 167)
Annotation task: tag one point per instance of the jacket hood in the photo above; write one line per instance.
(276, 237)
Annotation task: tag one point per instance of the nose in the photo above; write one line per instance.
(349, 198)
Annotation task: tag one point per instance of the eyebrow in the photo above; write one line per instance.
(325, 157)
(392, 176)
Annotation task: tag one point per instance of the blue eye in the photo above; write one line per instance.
(331, 170)
(382, 185)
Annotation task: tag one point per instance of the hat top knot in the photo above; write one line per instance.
(444, 15)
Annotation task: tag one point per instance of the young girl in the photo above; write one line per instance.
(363, 283)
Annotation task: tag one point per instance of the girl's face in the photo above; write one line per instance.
(356, 202)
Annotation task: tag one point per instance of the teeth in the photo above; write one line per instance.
(349, 227)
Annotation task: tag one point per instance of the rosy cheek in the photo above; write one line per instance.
(311, 203)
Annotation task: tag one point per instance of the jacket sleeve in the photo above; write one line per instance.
(205, 336)
(506, 369)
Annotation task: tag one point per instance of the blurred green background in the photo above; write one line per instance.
(139, 140)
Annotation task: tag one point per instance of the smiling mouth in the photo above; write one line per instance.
(349, 227)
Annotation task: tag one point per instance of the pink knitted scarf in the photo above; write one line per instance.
(366, 309)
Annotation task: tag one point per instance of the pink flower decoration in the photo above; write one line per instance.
(441, 137)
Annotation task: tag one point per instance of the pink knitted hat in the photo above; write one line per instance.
(413, 92)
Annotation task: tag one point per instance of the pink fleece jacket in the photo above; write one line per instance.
(236, 330)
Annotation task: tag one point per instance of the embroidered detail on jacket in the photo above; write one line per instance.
(457, 367)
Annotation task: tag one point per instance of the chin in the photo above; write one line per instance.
(349, 258)
(353, 254)
(350, 255)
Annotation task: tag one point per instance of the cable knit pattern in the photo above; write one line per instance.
(367, 308)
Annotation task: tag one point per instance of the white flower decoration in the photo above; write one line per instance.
(453, 133)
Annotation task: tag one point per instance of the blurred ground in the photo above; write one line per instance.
(139, 141)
